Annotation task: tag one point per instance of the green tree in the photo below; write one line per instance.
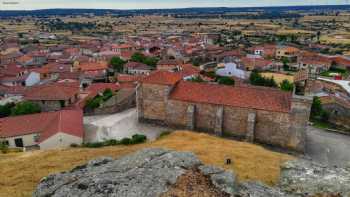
(285, 62)
(139, 57)
(5, 110)
(258, 80)
(316, 108)
(151, 61)
(117, 63)
(286, 85)
(24, 108)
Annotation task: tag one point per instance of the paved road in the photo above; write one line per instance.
(328, 148)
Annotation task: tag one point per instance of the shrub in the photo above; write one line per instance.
(94, 145)
(74, 145)
(111, 142)
(138, 139)
(126, 141)
(226, 81)
(107, 94)
(94, 103)
(4, 148)
(286, 86)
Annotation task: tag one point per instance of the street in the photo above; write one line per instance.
(328, 148)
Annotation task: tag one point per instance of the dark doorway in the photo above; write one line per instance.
(19, 142)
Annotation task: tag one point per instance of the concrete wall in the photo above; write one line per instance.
(60, 140)
(28, 140)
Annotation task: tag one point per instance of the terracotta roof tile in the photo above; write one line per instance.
(245, 97)
(46, 124)
(162, 78)
(52, 92)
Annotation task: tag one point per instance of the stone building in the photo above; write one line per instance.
(258, 114)
(53, 97)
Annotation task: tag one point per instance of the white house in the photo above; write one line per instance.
(43, 130)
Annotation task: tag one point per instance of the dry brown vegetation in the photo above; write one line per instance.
(21, 172)
(194, 184)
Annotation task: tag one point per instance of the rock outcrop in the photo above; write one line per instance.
(305, 178)
(154, 172)
(147, 173)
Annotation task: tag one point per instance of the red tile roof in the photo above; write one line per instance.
(122, 78)
(137, 65)
(256, 62)
(342, 61)
(245, 97)
(163, 78)
(93, 66)
(57, 91)
(100, 87)
(46, 124)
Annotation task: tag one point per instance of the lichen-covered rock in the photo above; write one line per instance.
(257, 189)
(223, 180)
(305, 178)
(146, 173)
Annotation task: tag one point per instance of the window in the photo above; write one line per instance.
(19, 142)
(5, 142)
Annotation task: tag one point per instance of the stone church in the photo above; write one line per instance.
(257, 114)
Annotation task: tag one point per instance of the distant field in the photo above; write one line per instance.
(293, 31)
(344, 18)
(21, 172)
(335, 39)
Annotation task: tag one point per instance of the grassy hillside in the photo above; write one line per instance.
(21, 172)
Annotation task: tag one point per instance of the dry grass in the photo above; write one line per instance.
(278, 77)
(325, 39)
(21, 172)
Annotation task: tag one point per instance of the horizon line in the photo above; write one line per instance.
(276, 6)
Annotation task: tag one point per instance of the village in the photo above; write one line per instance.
(65, 83)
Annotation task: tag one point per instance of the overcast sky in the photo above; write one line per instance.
(144, 4)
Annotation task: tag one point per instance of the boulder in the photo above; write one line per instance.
(306, 178)
(257, 189)
(145, 173)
